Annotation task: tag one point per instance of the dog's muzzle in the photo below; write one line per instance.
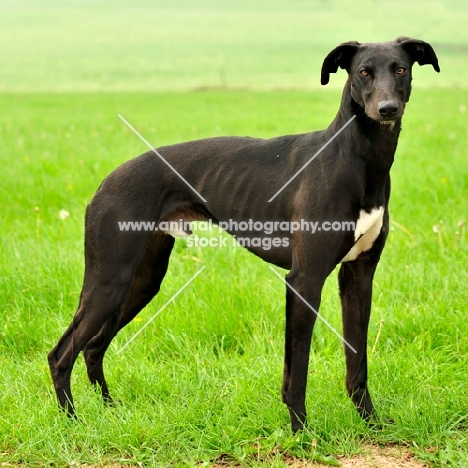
(388, 111)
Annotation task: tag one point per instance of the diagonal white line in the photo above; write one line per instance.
(159, 155)
(312, 158)
(161, 309)
(313, 310)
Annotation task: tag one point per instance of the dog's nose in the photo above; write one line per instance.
(388, 109)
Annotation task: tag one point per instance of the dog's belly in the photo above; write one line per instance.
(368, 228)
(275, 250)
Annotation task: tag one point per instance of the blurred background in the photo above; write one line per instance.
(147, 45)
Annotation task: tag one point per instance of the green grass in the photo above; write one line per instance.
(203, 379)
(202, 382)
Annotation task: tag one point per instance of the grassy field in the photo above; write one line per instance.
(202, 382)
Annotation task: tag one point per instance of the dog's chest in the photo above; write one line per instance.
(368, 227)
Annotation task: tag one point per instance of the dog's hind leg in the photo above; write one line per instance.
(99, 301)
(145, 285)
(111, 259)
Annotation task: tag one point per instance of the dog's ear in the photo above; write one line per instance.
(420, 52)
(341, 57)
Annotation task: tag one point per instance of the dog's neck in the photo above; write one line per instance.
(373, 142)
(372, 139)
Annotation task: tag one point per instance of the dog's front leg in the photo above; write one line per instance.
(302, 302)
(355, 280)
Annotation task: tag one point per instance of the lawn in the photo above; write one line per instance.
(202, 381)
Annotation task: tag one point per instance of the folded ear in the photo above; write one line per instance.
(419, 51)
(339, 57)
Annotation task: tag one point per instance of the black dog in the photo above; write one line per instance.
(250, 179)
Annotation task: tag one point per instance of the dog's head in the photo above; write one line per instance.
(380, 73)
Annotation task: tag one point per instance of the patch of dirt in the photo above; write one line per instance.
(372, 457)
(375, 457)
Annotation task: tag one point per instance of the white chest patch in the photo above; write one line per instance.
(368, 228)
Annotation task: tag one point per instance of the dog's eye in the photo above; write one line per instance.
(400, 70)
(364, 73)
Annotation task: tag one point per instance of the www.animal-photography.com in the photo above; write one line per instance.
(234, 234)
